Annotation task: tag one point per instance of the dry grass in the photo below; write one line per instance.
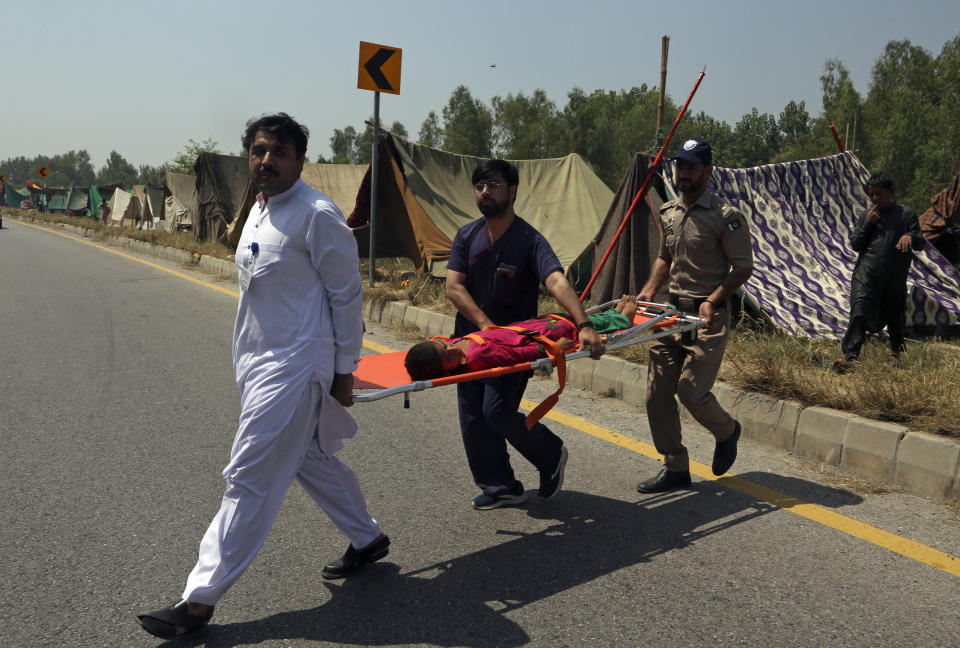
(921, 391)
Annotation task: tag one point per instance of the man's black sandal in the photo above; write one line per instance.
(164, 623)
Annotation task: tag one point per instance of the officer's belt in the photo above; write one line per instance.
(692, 304)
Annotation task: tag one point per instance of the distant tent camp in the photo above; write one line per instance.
(801, 216)
(424, 197)
(222, 189)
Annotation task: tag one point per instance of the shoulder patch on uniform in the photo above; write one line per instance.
(733, 225)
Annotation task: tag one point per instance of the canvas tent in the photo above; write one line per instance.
(424, 197)
(12, 197)
(628, 266)
(78, 200)
(124, 206)
(801, 215)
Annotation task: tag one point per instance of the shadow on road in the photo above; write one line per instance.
(465, 601)
(801, 489)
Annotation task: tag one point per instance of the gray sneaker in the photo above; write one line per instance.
(550, 484)
(484, 502)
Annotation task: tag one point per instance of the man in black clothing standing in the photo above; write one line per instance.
(884, 239)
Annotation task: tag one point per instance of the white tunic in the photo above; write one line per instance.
(300, 313)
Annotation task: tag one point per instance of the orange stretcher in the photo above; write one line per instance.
(386, 374)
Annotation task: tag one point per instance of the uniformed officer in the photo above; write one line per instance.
(705, 253)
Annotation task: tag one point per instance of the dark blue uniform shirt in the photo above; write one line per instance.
(504, 278)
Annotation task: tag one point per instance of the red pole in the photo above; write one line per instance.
(643, 187)
(836, 137)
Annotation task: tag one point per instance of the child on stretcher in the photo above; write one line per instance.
(503, 347)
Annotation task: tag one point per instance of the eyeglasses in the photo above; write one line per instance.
(491, 185)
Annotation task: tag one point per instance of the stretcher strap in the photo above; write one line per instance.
(559, 359)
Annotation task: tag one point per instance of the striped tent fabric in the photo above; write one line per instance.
(801, 215)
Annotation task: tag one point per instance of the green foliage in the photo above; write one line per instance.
(526, 128)
(467, 125)
(608, 128)
(351, 147)
(431, 133)
(184, 161)
(68, 169)
(914, 119)
(117, 170)
(756, 140)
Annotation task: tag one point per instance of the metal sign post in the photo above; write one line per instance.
(373, 187)
(379, 70)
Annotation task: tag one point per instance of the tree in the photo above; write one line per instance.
(184, 161)
(117, 170)
(794, 122)
(526, 128)
(608, 128)
(939, 155)
(841, 101)
(147, 174)
(467, 125)
(343, 145)
(901, 113)
(756, 140)
(350, 147)
(431, 133)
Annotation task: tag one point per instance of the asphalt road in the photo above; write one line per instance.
(117, 411)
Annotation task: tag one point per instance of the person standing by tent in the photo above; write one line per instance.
(705, 254)
(104, 212)
(884, 239)
(494, 272)
(297, 341)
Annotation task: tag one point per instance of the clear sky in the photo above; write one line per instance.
(142, 78)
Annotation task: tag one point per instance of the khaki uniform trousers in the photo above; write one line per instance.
(687, 371)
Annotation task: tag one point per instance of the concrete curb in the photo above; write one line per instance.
(919, 463)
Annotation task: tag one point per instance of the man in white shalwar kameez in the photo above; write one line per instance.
(296, 344)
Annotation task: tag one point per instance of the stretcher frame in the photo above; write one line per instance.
(664, 319)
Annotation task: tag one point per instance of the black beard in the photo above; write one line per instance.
(491, 208)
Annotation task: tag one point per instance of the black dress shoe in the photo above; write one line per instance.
(726, 451)
(354, 559)
(666, 480)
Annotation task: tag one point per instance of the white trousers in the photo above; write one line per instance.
(263, 463)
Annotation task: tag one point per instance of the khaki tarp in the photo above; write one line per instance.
(184, 187)
(175, 215)
(424, 196)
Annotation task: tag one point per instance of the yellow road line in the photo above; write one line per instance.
(873, 535)
(913, 550)
(106, 248)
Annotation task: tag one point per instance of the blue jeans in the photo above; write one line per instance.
(489, 419)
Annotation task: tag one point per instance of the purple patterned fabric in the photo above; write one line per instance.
(801, 215)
